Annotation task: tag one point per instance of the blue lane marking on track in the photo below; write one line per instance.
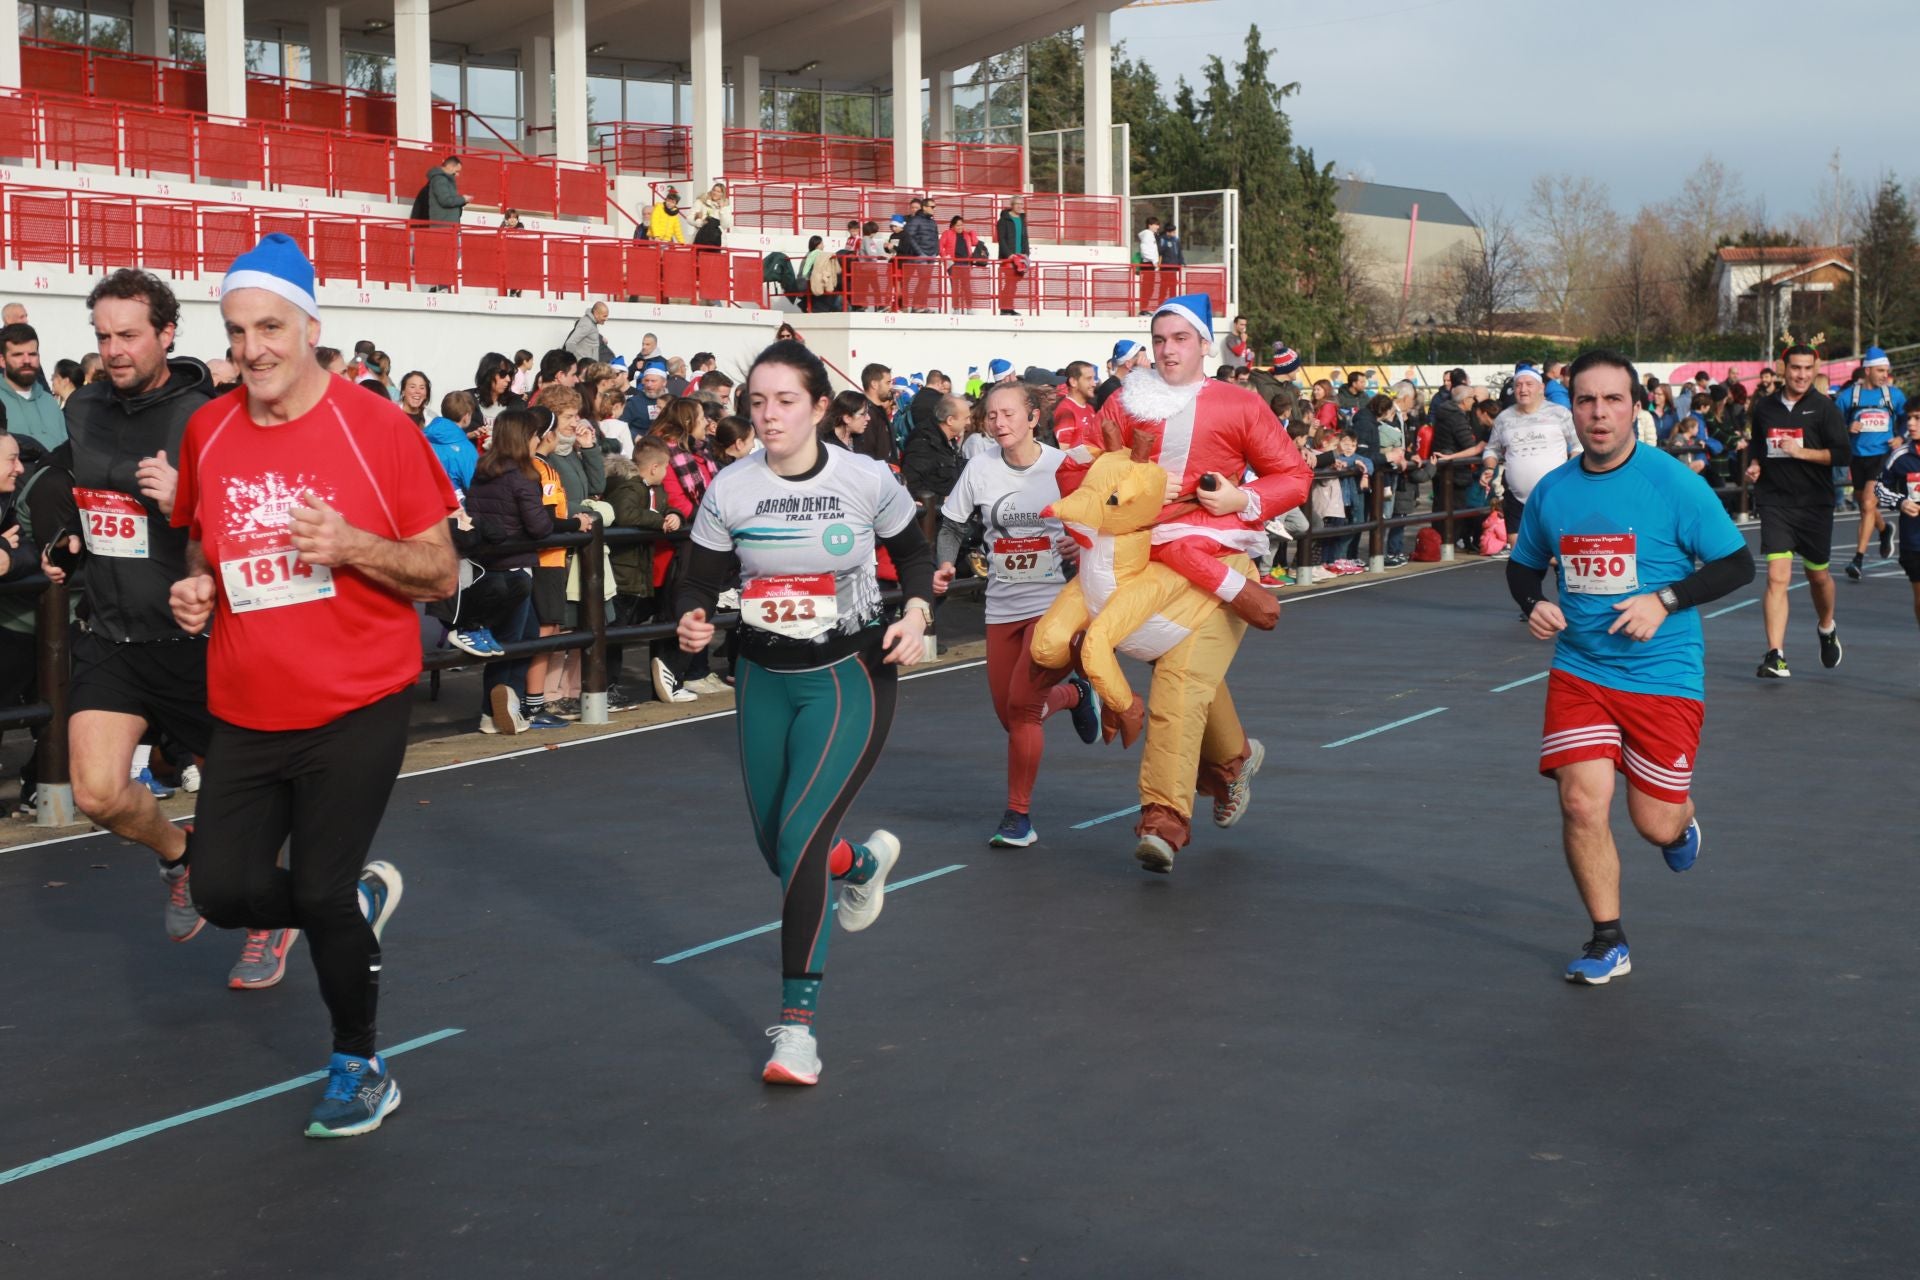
(728, 941)
(1515, 684)
(1730, 608)
(1434, 711)
(1106, 817)
(188, 1117)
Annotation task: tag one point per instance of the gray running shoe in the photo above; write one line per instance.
(1154, 854)
(263, 960)
(796, 1056)
(183, 919)
(860, 903)
(1240, 792)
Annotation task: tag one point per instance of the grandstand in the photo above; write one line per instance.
(142, 155)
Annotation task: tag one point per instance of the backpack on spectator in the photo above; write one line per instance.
(1493, 535)
(1426, 545)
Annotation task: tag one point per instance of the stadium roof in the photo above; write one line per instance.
(1376, 200)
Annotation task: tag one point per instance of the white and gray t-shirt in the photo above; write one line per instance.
(1023, 559)
(825, 523)
(1532, 444)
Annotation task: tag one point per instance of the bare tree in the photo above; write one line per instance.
(1639, 299)
(1836, 208)
(1574, 240)
(1487, 279)
(1712, 203)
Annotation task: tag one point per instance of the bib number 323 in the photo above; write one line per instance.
(799, 606)
(1599, 564)
(273, 579)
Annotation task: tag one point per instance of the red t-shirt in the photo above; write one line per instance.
(1074, 423)
(297, 645)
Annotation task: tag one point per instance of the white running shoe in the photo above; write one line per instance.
(860, 903)
(709, 685)
(505, 706)
(1154, 854)
(666, 687)
(796, 1056)
(1240, 792)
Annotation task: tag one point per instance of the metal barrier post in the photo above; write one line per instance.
(1443, 475)
(593, 616)
(1376, 536)
(53, 791)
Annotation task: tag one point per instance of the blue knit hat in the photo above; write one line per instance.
(277, 265)
(1285, 358)
(1195, 308)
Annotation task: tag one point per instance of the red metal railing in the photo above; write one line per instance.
(794, 208)
(772, 155)
(990, 286)
(81, 231)
(58, 130)
(48, 66)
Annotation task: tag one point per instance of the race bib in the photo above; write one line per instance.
(1875, 420)
(1025, 560)
(112, 523)
(1599, 564)
(273, 579)
(799, 606)
(1913, 486)
(1778, 438)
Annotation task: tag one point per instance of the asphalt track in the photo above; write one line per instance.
(1333, 1043)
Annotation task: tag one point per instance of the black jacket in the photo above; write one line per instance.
(924, 405)
(1011, 235)
(920, 238)
(932, 463)
(128, 598)
(510, 502)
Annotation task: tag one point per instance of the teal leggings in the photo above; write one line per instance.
(808, 740)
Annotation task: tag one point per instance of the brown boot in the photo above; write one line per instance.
(1256, 606)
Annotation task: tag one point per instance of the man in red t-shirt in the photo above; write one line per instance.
(1073, 417)
(316, 514)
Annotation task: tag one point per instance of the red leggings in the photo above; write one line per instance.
(1024, 694)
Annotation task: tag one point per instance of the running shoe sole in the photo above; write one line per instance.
(501, 701)
(1256, 757)
(395, 888)
(388, 1105)
(775, 1073)
(872, 895)
(998, 841)
(1154, 854)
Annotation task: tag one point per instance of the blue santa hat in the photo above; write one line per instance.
(619, 362)
(1124, 349)
(1526, 370)
(277, 265)
(1195, 308)
(999, 369)
(1876, 359)
(901, 384)
(1285, 358)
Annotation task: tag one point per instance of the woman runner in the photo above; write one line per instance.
(1008, 487)
(816, 681)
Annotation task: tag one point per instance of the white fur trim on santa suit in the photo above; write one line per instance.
(1251, 541)
(1148, 397)
(1230, 585)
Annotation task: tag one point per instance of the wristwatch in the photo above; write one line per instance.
(925, 610)
(1668, 599)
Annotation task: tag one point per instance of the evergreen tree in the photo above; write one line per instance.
(1888, 261)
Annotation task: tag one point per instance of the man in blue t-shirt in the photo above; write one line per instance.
(1874, 409)
(1624, 527)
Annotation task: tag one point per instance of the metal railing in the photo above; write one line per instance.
(794, 208)
(592, 637)
(97, 231)
(639, 147)
(986, 286)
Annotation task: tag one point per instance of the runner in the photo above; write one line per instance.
(317, 515)
(1875, 413)
(1798, 439)
(816, 677)
(1532, 436)
(1623, 525)
(1008, 487)
(136, 674)
(1899, 490)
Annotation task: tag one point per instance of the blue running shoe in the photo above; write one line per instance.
(1016, 832)
(1600, 963)
(161, 791)
(360, 1094)
(1681, 853)
(1086, 716)
(477, 641)
(545, 721)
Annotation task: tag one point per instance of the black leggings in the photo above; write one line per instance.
(323, 791)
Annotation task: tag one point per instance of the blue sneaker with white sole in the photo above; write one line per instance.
(360, 1094)
(1681, 853)
(161, 791)
(1086, 716)
(1016, 832)
(380, 890)
(1600, 962)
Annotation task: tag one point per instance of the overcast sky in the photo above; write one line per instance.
(1474, 97)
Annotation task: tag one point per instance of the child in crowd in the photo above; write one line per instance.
(1355, 480)
(637, 492)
